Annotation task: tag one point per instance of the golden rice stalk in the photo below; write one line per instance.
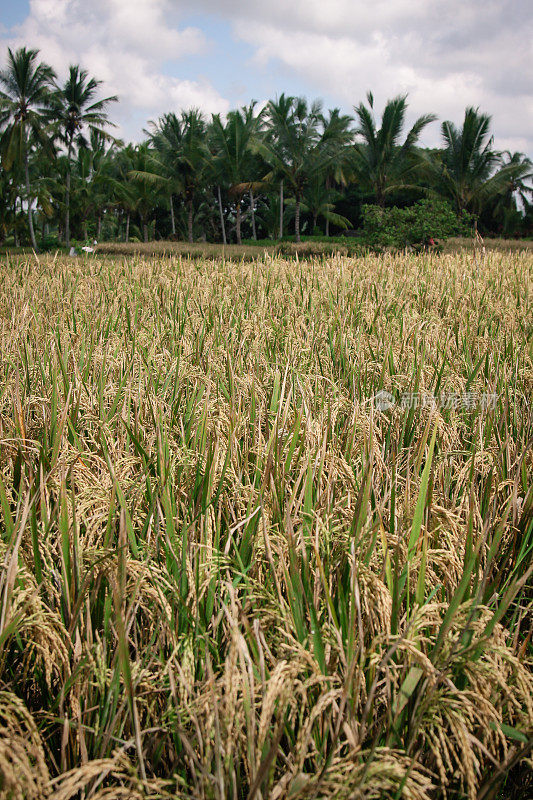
(23, 770)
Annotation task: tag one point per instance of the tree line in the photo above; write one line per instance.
(289, 168)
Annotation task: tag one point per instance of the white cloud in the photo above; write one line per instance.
(446, 55)
(125, 43)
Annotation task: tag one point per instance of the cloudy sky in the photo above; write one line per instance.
(162, 55)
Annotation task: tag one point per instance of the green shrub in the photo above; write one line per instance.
(50, 242)
(401, 227)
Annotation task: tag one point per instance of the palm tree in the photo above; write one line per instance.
(520, 174)
(337, 136)
(232, 144)
(125, 191)
(279, 112)
(508, 207)
(24, 110)
(181, 156)
(94, 172)
(193, 158)
(318, 200)
(268, 214)
(383, 164)
(9, 193)
(470, 172)
(76, 109)
(291, 146)
(141, 191)
(166, 137)
(43, 171)
(469, 162)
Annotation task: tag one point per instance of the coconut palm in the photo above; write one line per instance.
(193, 159)
(232, 143)
(469, 163)
(142, 190)
(166, 138)
(519, 170)
(77, 110)
(318, 200)
(126, 196)
(279, 113)
(95, 178)
(24, 111)
(470, 172)
(383, 163)
(291, 145)
(9, 193)
(515, 190)
(337, 136)
(181, 157)
(268, 214)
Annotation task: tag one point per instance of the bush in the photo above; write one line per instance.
(312, 248)
(401, 227)
(50, 243)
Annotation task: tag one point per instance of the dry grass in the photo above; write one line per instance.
(250, 252)
(225, 574)
(459, 244)
(198, 250)
(230, 252)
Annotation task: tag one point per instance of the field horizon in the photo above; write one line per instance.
(309, 247)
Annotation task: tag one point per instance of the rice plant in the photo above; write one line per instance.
(226, 570)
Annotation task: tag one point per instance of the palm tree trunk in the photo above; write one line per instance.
(315, 217)
(252, 207)
(99, 227)
(172, 218)
(222, 225)
(15, 232)
(297, 219)
(239, 222)
(67, 196)
(145, 232)
(281, 209)
(327, 220)
(189, 219)
(27, 174)
(128, 227)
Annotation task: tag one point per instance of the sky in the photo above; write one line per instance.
(167, 55)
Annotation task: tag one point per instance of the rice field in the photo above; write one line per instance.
(266, 527)
(305, 249)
